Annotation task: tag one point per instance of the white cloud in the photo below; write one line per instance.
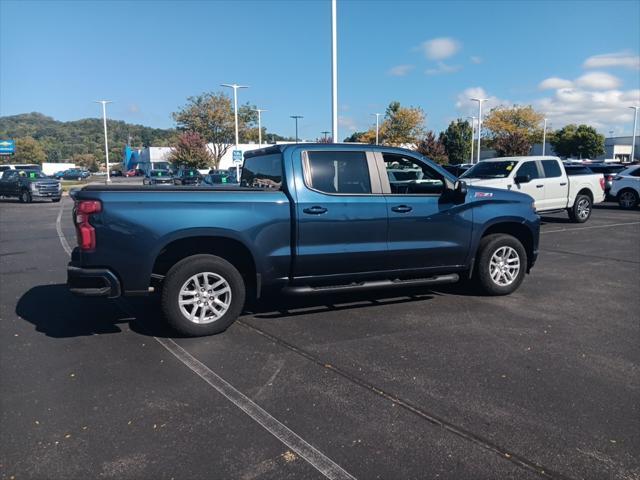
(623, 59)
(598, 81)
(442, 68)
(553, 83)
(475, 59)
(400, 70)
(440, 48)
(347, 122)
(466, 105)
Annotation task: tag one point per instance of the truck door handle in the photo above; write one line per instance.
(402, 208)
(563, 184)
(315, 210)
(539, 186)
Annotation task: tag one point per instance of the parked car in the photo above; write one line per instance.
(75, 174)
(545, 180)
(134, 172)
(329, 221)
(626, 187)
(28, 185)
(187, 176)
(116, 173)
(457, 170)
(221, 178)
(608, 170)
(158, 177)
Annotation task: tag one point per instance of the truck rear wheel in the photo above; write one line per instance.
(202, 295)
(581, 210)
(501, 264)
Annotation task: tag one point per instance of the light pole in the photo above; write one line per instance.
(480, 102)
(633, 135)
(259, 110)
(296, 117)
(106, 142)
(378, 115)
(334, 72)
(544, 137)
(325, 133)
(473, 129)
(235, 112)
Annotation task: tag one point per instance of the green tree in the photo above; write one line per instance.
(580, 141)
(354, 137)
(27, 150)
(86, 160)
(191, 151)
(457, 141)
(402, 125)
(433, 148)
(512, 131)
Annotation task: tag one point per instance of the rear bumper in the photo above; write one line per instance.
(92, 282)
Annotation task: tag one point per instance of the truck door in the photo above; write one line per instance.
(341, 214)
(8, 182)
(535, 186)
(426, 230)
(556, 185)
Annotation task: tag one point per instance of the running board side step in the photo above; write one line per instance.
(358, 286)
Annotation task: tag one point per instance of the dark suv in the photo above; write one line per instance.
(187, 176)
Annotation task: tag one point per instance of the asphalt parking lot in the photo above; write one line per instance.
(393, 384)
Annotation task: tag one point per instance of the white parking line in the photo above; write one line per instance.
(316, 458)
(63, 239)
(312, 455)
(587, 228)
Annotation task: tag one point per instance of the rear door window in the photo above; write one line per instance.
(338, 172)
(263, 171)
(551, 169)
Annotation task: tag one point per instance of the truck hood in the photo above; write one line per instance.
(488, 182)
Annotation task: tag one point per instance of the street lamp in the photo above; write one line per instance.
(259, 110)
(235, 112)
(480, 101)
(106, 143)
(334, 72)
(633, 135)
(473, 129)
(378, 115)
(325, 133)
(544, 137)
(296, 117)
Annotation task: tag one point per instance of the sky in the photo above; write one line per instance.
(575, 61)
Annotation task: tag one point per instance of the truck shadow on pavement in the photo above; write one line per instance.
(54, 311)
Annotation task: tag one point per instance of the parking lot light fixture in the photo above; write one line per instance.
(473, 130)
(480, 102)
(259, 110)
(235, 87)
(325, 133)
(544, 136)
(106, 142)
(633, 134)
(378, 115)
(296, 117)
(334, 72)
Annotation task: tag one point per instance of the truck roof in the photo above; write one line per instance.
(516, 159)
(327, 146)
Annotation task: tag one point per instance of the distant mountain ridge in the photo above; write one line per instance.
(62, 140)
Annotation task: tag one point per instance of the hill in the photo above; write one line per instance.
(63, 140)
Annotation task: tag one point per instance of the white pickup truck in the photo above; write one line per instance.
(545, 180)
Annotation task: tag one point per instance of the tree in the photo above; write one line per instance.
(354, 137)
(432, 148)
(86, 160)
(512, 131)
(27, 150)
(211, 116)
(457, 141)
(577, 141)
(402, 125)
(191, 151)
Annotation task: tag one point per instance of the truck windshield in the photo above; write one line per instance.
(32, 174)
(264, 171)
(500, 169)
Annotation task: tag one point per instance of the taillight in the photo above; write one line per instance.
(84, 230)
(602, 183)
(609, 178)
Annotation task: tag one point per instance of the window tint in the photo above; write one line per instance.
(577, 170)
(636, 172)
(408, 176)
(492, 169)
(264, 171)
(8, 174)
(528, 168)
(339, 172)
(551, 168)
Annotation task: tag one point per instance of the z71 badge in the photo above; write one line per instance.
(483, 195)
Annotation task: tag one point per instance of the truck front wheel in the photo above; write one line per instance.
(25, 196)
(501, 264)
(202, 295)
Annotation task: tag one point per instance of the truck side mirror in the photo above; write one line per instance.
(522, 179)
(460, 190)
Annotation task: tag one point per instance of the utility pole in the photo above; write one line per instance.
(259, 110)
(235, 112)
(334, 72)
(544, 137)
(633, 135)
(106, 142)
(378, 115)
(296, 117)
(480, 102)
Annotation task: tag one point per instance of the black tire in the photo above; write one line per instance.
(25, 196)
(627, 199)
(581, 210)
(79, 179)
(489, 246)
(55, 200)
(180, 274)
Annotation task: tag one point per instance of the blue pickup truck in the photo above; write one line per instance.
(306, 218)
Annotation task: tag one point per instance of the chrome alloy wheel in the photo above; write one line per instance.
(584, 208)
(204, 298)
(504, 266)
(627, 199)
